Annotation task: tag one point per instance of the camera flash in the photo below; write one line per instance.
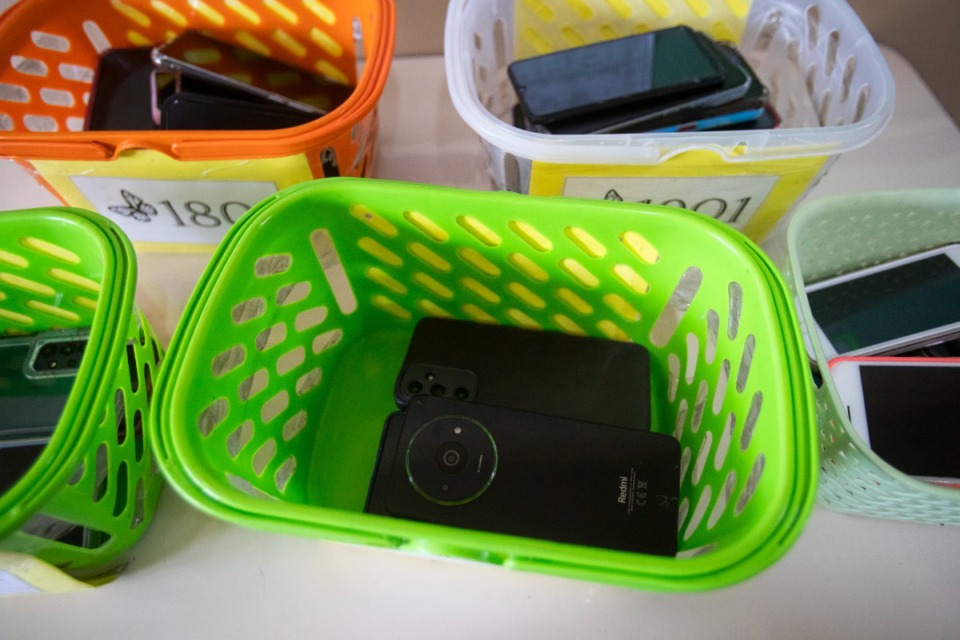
(458, 430)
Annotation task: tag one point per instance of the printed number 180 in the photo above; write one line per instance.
(201, 214)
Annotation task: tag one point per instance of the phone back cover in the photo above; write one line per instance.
(581, 378)
(556, 479)
(120, 98)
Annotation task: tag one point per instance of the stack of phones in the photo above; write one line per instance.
(891, 333)
(674, 79)
(530, 433)
(195, 82)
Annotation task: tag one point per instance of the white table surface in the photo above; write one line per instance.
(196, 577)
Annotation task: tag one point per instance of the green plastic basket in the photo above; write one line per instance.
(832, 236)
(68, 268)
(280, 374)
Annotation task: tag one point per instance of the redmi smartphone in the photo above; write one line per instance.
(475, 466)
(613, 73)
(907, 410)
(891, 307)
(195, 55)
(574, 377)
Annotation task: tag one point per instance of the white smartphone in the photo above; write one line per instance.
(889, 308)
(907, 410)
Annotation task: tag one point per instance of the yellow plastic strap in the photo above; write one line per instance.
(22, 574)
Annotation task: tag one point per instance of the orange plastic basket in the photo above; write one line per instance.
(189, 185)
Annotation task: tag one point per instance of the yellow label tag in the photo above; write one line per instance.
(749, 196)
(166, 204)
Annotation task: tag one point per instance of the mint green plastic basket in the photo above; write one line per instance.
(834, 235)
(280, 374)
(66, 268)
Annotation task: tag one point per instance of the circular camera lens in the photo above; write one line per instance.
(461, 393)
(415, 387)
(451, 457)
(48, 350)
(66, 349)
(438, 389)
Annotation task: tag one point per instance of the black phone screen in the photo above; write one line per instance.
(612, 73)
(890, 304)
(912, 417)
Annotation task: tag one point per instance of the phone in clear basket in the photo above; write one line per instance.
(907, 410)
(581, 81)
(891, 307)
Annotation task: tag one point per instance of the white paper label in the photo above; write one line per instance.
(730, 199)
(177, 211)
(12, 585)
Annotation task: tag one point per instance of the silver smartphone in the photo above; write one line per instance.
(891, 307)
(241, 71)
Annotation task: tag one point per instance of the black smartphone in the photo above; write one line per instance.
(741, 92)
(120, 99)
(36, 376)
(613, 73)
(464, 464)
(576, 377)
(187, 110)
(195, 55)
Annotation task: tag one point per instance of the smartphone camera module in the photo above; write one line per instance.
(451, 460)
(422, 378)
(58, 357)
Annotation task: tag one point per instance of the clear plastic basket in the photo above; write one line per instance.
(71, 269)
(185, 187)
(280, 374)
(834, 235)
(827, 79)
